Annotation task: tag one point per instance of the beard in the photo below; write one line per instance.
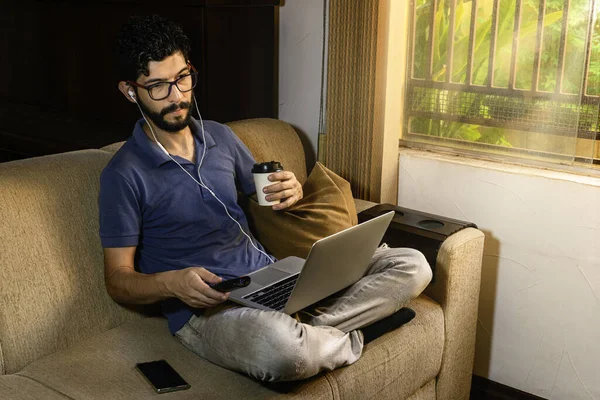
(158, 117)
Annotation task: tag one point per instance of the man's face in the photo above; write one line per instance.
(171, 114)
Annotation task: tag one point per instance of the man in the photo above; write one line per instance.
(168, 205)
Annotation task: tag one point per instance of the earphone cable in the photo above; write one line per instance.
(201, 183)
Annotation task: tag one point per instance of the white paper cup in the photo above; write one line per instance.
(260, 181)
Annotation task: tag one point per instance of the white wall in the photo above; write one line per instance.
(539, 313)
(300, 58)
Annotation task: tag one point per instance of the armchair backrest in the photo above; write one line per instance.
(267, 139)
(271, 139)
(52, 291)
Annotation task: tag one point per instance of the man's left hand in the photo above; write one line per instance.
(288, 190)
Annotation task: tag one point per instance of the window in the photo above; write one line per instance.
(516, 78)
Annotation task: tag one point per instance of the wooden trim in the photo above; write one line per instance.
(378, 165)
(397, 26)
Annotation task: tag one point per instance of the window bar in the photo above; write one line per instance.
(434, 5)
(560, 68)
(538, 46)
(469, 78)
(515, 45)
(411, 71)
(413, 29)
(450, 53)
(500, 91)
(493, 37)
(588, 46)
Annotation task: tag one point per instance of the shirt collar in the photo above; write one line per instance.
(155, 154)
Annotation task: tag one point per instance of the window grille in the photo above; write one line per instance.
(528, 67)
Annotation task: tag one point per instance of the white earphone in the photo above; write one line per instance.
(201, 182)
(132, 95)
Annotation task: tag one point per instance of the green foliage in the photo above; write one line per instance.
(476, 106)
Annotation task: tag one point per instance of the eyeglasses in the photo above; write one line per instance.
(162, 90)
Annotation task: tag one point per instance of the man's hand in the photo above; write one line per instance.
(288, 190)
(191, 285)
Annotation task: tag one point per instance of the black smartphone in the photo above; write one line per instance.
(162, 376)
(232, 284)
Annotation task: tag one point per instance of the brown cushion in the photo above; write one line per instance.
(327, 208)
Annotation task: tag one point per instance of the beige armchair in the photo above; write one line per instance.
(62, 336)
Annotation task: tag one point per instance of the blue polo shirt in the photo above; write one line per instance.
(147, 201)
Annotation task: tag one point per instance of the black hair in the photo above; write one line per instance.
(148, 38)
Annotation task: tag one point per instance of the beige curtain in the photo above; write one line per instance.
(353, 140)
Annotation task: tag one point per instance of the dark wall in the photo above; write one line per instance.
(58, 89)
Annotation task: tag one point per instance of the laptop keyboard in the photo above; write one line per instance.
(276, 295)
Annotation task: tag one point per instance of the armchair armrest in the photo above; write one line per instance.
(456, 288)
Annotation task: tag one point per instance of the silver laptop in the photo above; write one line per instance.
(333, 263)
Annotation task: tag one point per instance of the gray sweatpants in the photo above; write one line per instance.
(272, 346)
